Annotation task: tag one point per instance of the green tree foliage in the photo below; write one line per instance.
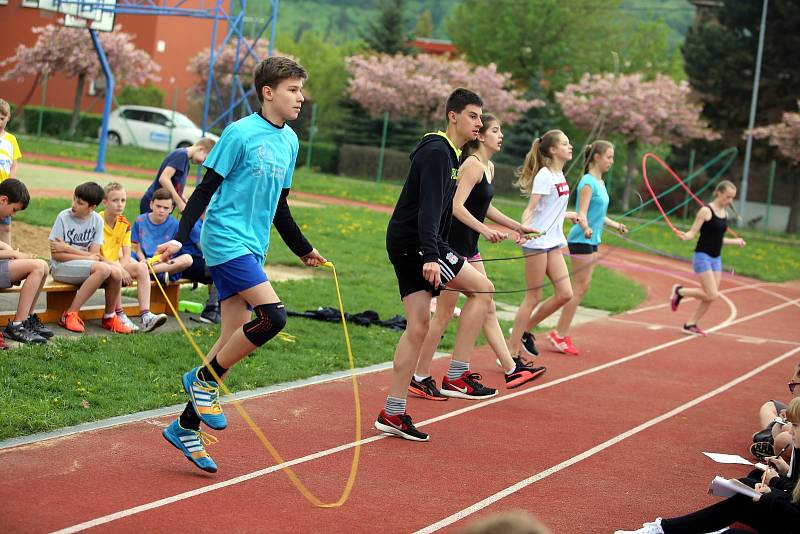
(424, 26)
(559, 40)
(720, 60)
(149, 95)
(387, 33)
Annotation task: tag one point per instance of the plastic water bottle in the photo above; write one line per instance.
(189, 306)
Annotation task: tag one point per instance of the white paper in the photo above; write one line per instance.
(727, 458)
(722, 487)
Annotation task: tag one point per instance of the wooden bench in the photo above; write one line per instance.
(59, 296)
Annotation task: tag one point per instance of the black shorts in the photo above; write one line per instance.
(408, 269)
(197, 271)
(581, 248)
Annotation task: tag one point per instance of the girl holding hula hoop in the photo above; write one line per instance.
(542, 177)
(710, 223)
(584, 238)
(472, 204)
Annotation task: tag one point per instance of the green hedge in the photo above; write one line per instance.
(324, 156)
(360, 160)
(55, 122)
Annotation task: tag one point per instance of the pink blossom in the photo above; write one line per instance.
(784, 135)
(652, 112)
(409, 86)
(69, 51)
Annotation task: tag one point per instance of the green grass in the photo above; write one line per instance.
(140, 158)
(45, 387)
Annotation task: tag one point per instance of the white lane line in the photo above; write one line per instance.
(480, 505)
(739, 337)
(477, 406)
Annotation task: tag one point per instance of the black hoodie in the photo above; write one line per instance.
(421, 218)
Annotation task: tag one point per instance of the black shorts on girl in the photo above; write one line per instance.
(408, 268)
(581, 248)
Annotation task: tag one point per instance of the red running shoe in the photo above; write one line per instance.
(522, 375)
(466, 387)
(426, 388)
(399, 425)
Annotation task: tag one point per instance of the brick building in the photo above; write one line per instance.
(169, 40)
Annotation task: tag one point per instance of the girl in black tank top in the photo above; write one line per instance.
(711, 223)
(472, 204)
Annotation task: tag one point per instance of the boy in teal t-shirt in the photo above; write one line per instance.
(249, 173)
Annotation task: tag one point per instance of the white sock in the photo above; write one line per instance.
(419, 378)
(109, 315)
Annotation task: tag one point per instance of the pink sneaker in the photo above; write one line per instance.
(562, 344)
(693, 329)
(570, 349)
(676, 297)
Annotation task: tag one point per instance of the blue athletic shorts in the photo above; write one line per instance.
(236, 275)
(702, 262)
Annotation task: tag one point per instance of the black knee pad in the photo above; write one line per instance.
(270, 319)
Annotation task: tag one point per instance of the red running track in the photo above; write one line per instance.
(603, 441)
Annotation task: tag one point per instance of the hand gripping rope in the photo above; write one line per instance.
(291, 475)
(680, 182)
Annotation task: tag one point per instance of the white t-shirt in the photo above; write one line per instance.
(548, 217)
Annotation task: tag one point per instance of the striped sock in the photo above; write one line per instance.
(457, 369)
(395, 406)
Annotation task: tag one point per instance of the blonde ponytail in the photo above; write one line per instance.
(536, 158)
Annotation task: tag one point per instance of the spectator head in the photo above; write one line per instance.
(91, 193)
(201, 149)
(14, 197)
(5, 114)
(507, 523)
(115, 198)
(161, 205)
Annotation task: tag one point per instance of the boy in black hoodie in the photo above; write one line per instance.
(416, 241)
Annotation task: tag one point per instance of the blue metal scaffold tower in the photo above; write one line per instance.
(231, 12)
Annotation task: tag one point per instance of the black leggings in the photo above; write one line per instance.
(737, 509)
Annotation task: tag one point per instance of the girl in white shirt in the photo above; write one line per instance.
(542, 177)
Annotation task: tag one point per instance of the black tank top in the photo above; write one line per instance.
(464, 239)
(711, 235)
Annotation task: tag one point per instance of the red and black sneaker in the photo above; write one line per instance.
(675, 298)
(522, 375)
(466, 387)
(426, 388)
(3, 345)
(399, 425)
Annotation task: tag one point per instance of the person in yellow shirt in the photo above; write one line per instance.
(116, 248)
(9, 154)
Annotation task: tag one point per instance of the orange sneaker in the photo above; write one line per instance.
(71, 321)
(116, 325)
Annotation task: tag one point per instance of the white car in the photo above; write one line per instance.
(156, 128)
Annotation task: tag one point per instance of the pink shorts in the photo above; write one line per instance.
(476, 257)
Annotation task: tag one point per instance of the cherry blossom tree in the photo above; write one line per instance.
(408, 86)
(69, 51)
(639, 111)
(785, 136)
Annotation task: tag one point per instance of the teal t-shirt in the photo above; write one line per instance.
(596, 215)
(256, 160)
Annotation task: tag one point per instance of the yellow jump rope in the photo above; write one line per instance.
(304, 491)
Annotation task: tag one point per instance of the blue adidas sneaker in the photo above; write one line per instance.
(192, 444)
(205, 399)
